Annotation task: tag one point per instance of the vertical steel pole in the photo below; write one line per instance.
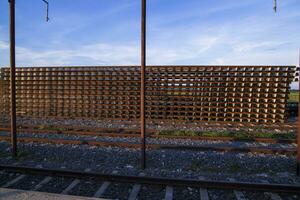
(13, 131)
(143, 66)
(298, 126)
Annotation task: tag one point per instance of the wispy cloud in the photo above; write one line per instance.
(177, 53)
(195, 10)
(257, 58)
(4, 45)
(96, 54)
(262, 38)
(254, 46)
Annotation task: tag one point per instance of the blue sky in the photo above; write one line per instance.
(106, 32)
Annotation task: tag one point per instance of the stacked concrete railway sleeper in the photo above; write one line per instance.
(199, 93)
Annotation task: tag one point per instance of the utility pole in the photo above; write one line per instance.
(12, 36)
(13, 121)
(143, 66)
(298, 125)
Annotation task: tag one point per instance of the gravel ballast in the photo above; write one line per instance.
(210, 165)
(168, 163)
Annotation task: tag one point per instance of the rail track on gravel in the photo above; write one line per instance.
(134, 133)
(70, 182)
(262, 150)
(291, 151)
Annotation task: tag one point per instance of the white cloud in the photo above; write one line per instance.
(192, 12)
(258, 58)
(115, 54)
(252, 46)
(96, 54)
(177, 52)
(4, 45)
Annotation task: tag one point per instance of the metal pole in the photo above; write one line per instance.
(13, 131)
(298, 137)
(143, 66)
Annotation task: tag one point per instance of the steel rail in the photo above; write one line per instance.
(134, 134)
(229, 139)
(183, 122)
(280, 126)
(288, 188)
(259, 150)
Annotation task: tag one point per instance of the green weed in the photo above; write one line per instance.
(236, 134)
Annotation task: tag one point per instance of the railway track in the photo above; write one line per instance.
(28, 130)
(261, 150)
(119, 122)
(134, 133)
(114, 186)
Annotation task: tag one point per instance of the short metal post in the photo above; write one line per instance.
(13, 130)
(143, 66)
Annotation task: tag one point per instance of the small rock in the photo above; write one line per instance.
(129, 166)
(262, 175)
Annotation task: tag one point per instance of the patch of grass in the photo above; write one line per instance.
(200, 165)
(22, 154)
(281, 136)
(294, 96)
(177, 133)
(211, 169)
(195, 164)
(236, 134)
(218, 134)
(49, 127)
(234, 167)
(4, 154)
